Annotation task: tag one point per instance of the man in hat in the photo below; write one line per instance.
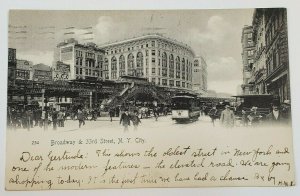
(80, 117)
(286, 110)
(213, 114)
(254, 117)
(275, 116)
(125, 120)
(227, 117)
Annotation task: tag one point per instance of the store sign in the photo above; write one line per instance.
(22, 74)
(84, 94)
(63, 67)
(59, 75)
(40, 75)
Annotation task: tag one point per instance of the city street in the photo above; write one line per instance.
(104, 124)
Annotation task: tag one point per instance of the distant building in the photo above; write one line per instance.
(85, 60)
(41, 72)
(24, 70)
(199, 75)
(162, 61)
(248, 58)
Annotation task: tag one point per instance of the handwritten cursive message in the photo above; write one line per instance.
(142, 161)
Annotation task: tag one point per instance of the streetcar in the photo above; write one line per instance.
(185, 107)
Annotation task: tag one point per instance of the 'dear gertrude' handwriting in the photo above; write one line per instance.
(149, 166)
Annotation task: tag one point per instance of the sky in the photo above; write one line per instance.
(213, 34)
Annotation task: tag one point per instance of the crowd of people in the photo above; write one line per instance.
(230, 116)
(30, 117)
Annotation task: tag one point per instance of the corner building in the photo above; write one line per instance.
(163, 61)
(85, 60)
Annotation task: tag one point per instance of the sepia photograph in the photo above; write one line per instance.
(148, 98)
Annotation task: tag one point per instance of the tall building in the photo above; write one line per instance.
(247, 56)
(85, 60)
(277, 60)
(266, 70)
(162, 61)
(258, 72)
(200, 75)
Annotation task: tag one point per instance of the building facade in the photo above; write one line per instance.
(85, 60)
(199, 75)
(162, 61)
(259, 71)
(247, 57)
(277, 60)
(268, 67)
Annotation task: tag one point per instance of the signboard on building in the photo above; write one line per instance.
(60, 75)
(22, 74)
(42, 75)
(85, 94)
(66, 53)
(62, 67)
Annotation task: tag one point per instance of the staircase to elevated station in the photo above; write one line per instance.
(132, 92)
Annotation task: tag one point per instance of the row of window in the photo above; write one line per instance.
(88, 72)
(153, 44)
(273, 60)
(273, 26)
(172, 83)
(90, 55)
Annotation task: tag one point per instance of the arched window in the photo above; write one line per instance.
(171, 66)
(177, 68)
(139, 60)
(171, 61)
(105, 64)
(130, 64)
(114, 63)
(121, 65)
(183, 69)
(177, 63)
(196, 63)
(164, 59)
(130, 61)
(122, 62)
(183, 65)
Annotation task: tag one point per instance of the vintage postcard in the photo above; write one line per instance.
(149, 98)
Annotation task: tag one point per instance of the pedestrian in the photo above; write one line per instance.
(125, 120)
(227, 117)
(213, 114)
(254, 117)
(275, 116)
(244, 118)
(117, 111)
(60, 118)
(94, 114)
(80, 118)
(155, 113)
(111, 113)
(286, 110)
(135, 120)
(43, 119)
(38, 116)
(54, 118)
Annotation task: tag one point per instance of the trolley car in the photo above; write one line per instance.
(185, 107)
